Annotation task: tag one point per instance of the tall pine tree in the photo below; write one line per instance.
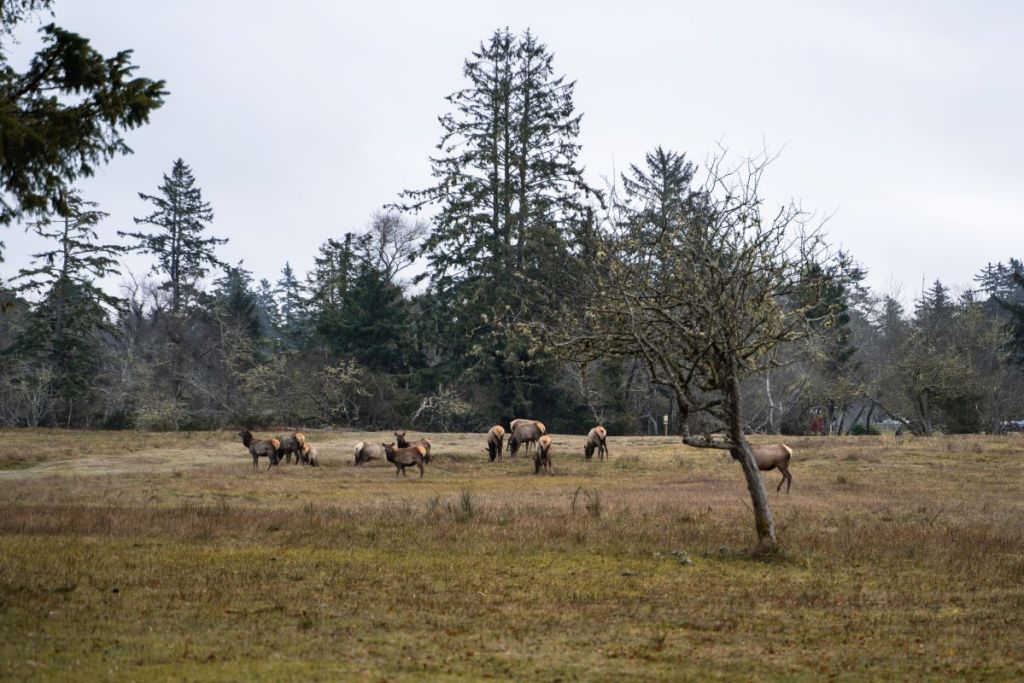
(64, 327)
(509, 194)
(183, 253)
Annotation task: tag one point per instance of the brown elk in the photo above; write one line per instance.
(291, 444)
(260, 449)
(542, 456)
(309, 455)
(405, 457)
(495, 442)
(597, 440)
(774, 456)
(365, 452)
(402, 443)
(526, 432)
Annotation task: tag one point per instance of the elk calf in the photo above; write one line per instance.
(405, 457)
(542, 456)
(597, 440)
(260, 449)
(774, 456)
(495, 442)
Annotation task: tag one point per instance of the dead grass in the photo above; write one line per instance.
(164, 556)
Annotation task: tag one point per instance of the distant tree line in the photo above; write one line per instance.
(670, 293)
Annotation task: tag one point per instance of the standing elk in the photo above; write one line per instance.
(597, 440)
(542, 456)
(774, 456)
(528, 432)
(260, 449)
(495, 442)
(365, 452)
(402, 443)
(405, 457)
(291, 444)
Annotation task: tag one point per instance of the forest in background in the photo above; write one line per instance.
(506, 236)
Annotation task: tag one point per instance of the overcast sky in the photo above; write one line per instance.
(300, 119)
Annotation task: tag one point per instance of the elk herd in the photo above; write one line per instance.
(530, 435)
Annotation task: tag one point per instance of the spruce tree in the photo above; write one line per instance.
(64, 327)
(509, 195)
(63, 116)
(183, 254)
(292, 305)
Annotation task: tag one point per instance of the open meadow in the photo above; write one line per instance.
(165, 556)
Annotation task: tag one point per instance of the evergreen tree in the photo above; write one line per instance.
(181, 216)
(63, 116)
(236, 301)
(660, 197)
(65, 326)
(329, 283)
(292, 305)
(509, 195)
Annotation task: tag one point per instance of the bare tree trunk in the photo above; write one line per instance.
(771, 402)
(763, 522)
(867, 420)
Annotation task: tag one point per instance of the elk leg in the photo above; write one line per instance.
(420, 465)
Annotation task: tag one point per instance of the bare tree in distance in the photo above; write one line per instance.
(394, 242)
(705, 302)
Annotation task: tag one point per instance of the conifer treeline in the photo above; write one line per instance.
(347, 340)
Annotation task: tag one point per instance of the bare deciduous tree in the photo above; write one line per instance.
(705, 302)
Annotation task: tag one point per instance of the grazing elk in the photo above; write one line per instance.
(291, 444)
(495, 442)
(260, 449)
(365, 452)
(309, 455)
(597, 440)
(774, 456)
(405, 457)
(542, 456)
(402, 443)
(526, 432)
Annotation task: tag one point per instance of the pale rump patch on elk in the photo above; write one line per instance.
(597, 439)
(495, 442)
(774, 456)
(405, 457)
(365, 452)
(542, 456)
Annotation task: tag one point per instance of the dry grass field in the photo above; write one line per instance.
(140, 556)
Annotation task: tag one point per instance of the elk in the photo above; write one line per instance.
(405, 457)
(597, 440)
(542, 456)
(495, 442)
(260, 449)
(365, 452)
(291, 444)
(526, 431)
(774, 456)
(402, 443)
(309, 455)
